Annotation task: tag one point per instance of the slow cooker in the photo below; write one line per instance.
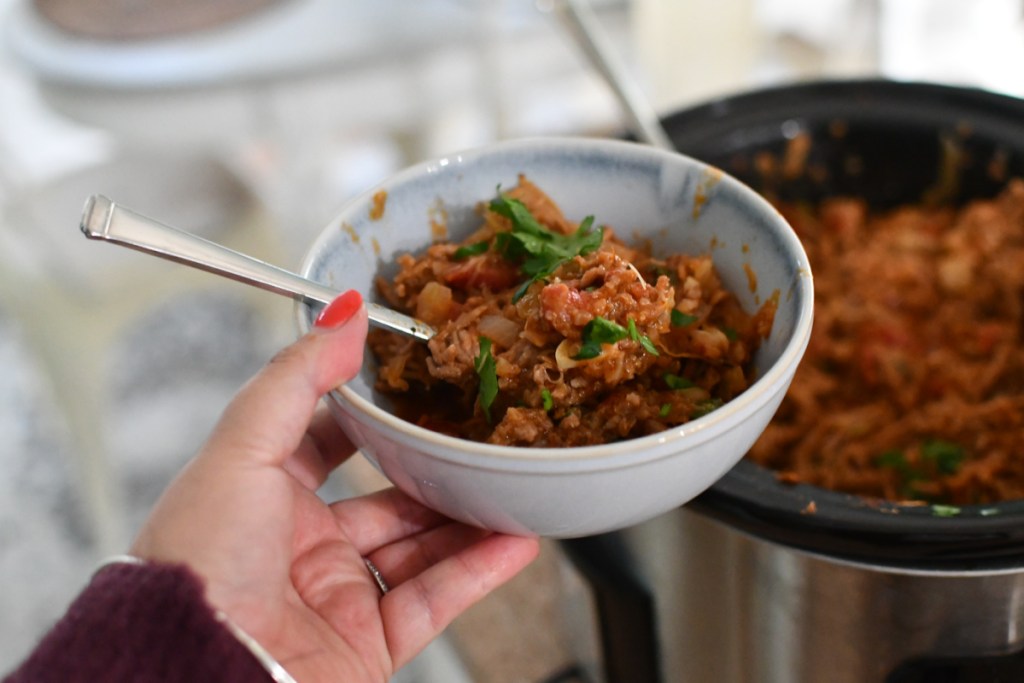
(759, 580)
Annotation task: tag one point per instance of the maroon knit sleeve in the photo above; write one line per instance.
(140, 623)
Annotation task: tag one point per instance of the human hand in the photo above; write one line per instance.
(288, 568)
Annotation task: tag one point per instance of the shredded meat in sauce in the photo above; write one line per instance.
(912, 387)
(684, 345)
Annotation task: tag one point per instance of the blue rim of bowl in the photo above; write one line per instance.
(604, 456)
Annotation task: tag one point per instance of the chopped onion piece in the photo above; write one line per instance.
(564, 353)
(434, 303)
(499, 329)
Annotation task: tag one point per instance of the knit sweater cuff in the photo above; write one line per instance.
(141, 623)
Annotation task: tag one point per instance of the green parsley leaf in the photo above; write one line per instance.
(675, 382)
(525, 227)
(665, 409)
(894, 459)
(680, 319)
(705, 407)
(463, 253)
(597, 332)
(643, 339)
(945, 510)
(549, 401)
(730, 333)
(947, 456)
(485, 370)
(539, 250)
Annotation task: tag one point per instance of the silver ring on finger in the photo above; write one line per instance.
(377, 576)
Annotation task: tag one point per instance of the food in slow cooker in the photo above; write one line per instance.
(912, 387)
(552, 333)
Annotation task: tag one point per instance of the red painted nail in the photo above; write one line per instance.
(338, 312)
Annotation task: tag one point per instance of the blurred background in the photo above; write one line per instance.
(251, 122)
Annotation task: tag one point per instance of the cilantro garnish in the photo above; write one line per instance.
(897, 460)
(894, 459)
(705, 407)
(597, 332)
(463, 253)
(730, 333)
(665, 409)
(945, 510)
(548, 400)
(675, 382)
(680, 319)
(485, 370)
(947, 456)
(643, 339)
(539, 250)
(603, 331)
(938, 457)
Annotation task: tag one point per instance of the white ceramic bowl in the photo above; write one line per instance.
(678, 203)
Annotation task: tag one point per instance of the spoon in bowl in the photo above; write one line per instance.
(102, 219)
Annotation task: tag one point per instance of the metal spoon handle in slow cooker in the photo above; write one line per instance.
(102, 219)
(579, 21)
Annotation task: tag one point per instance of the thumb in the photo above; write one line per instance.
(267, 419)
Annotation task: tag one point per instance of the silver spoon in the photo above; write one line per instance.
(581, 24)
(102, 219)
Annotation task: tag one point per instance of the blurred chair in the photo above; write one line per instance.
(248, 122)
(300, 103)
(74, 299)
(280, 90)
(207, 106)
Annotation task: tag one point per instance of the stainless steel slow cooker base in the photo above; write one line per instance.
(761, 580)
(732, 608)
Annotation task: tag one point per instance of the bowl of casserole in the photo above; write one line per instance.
(616, 326)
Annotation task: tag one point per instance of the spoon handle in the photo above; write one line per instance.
(103, 219)
(583, 28)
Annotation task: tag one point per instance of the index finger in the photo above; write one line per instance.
(267, 420)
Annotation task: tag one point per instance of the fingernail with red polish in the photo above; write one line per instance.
(339, 311)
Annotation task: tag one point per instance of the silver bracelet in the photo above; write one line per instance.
(273, 667)
(117, 559)
(266, 660)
